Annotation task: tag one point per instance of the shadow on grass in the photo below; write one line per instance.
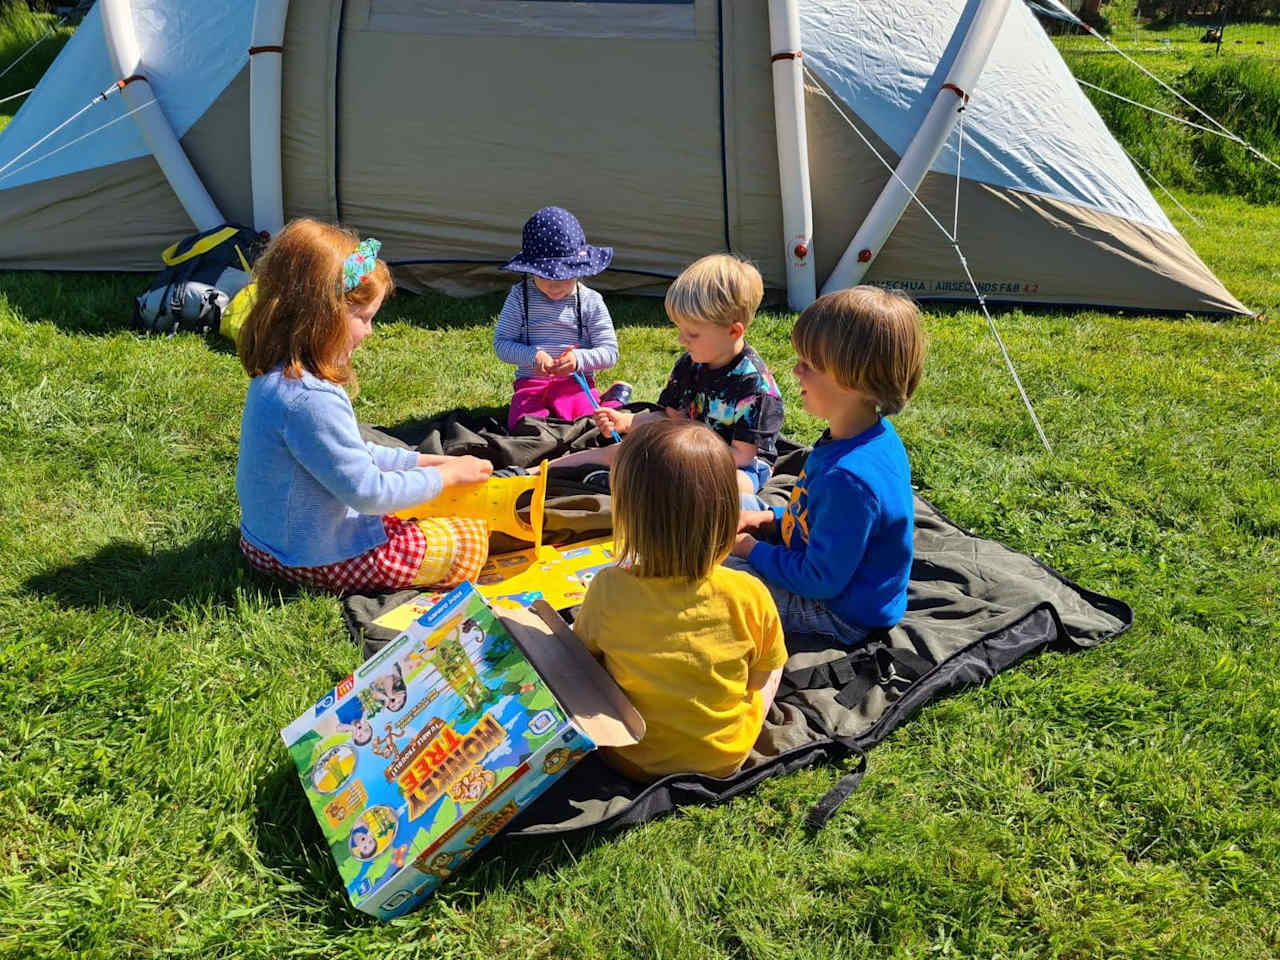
(94, 303)
(150, 582)
(292, 845)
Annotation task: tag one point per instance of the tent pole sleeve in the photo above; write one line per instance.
(159, 136)
(924, 148)
(793, 152)
(266, 57)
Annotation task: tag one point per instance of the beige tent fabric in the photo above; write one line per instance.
(1034, 249)
(755, 204)
(309, 125)
(488, 128)
(1020, 246)
(443, 145)
(121, 216)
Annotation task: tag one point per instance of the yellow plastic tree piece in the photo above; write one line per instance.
(495, 501)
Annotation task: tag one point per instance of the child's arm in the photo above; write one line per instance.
(321, 433)
(393, 458)
(608, 419)
(506, 335)
(603, 352)
(759, 425)
(743, 453)
(840, 519)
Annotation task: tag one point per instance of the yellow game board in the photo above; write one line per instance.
(517, 579)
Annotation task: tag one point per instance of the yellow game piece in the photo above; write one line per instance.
(495, 501)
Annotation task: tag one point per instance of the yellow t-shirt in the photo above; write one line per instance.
(682, 652)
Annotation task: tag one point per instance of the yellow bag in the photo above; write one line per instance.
(233, 316)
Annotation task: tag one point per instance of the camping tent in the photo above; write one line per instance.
(439, 126)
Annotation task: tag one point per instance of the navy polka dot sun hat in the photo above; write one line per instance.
(555, 247)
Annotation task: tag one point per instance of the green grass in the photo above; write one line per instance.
(1240, 88)
(1119, 803)
(19, 29)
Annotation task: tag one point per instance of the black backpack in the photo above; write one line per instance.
(201, 275)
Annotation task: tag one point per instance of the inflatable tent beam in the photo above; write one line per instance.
(266, 55)
(122, 49)
(793, 152)
(924, 147)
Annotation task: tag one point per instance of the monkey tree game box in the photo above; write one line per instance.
(421, 756)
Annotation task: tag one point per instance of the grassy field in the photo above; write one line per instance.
(22, 31)
(1120, 803)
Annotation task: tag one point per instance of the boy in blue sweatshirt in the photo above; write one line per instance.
(844, 556)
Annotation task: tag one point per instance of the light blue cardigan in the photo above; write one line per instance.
(311, 491)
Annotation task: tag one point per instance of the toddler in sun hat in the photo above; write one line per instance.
(552, 326)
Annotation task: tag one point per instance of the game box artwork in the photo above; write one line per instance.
(422, 755)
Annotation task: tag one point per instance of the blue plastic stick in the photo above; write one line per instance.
(586, 388)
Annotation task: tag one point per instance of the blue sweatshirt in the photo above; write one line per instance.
(847, 532)
(311, 491)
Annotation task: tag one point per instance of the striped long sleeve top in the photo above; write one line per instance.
(553, 326)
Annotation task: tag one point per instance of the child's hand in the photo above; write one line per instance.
(461, 470)
(755, 521)
(743, 544)
(542, 363)
(565, 364)
(608, 420)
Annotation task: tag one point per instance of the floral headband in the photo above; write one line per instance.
(360, 264)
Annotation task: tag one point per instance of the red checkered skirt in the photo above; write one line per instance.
(438, 552)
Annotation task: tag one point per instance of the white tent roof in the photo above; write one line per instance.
(1029, 127)
(190, 52)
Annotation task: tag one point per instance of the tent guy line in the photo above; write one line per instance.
(48, 33)
(118, 85)
(71, 143)
(1069, 218)
(1228, 135)
(15, 96)
(1226, 131)
(1152, 177)
(955, 244)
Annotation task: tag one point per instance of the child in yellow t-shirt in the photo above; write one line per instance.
(697, 647)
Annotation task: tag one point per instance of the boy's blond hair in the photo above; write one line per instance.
(675, 499)
(867, 339)
(719, 289)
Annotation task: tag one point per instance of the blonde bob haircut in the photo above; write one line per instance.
(675, 500)
(719, 289)
(867, 339)
(299, 318)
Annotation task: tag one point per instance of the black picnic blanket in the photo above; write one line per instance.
(974, 608)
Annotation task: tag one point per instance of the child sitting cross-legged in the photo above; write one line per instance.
(720, 380)
(555, 328)
(846, 536)
(315, 499)
(696, 647)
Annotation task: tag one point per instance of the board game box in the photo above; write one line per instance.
(421, 756)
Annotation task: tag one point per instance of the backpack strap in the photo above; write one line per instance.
(577, 299)
(875, 664)
(524, 318)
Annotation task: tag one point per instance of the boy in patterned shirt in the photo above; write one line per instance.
(720, 381)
